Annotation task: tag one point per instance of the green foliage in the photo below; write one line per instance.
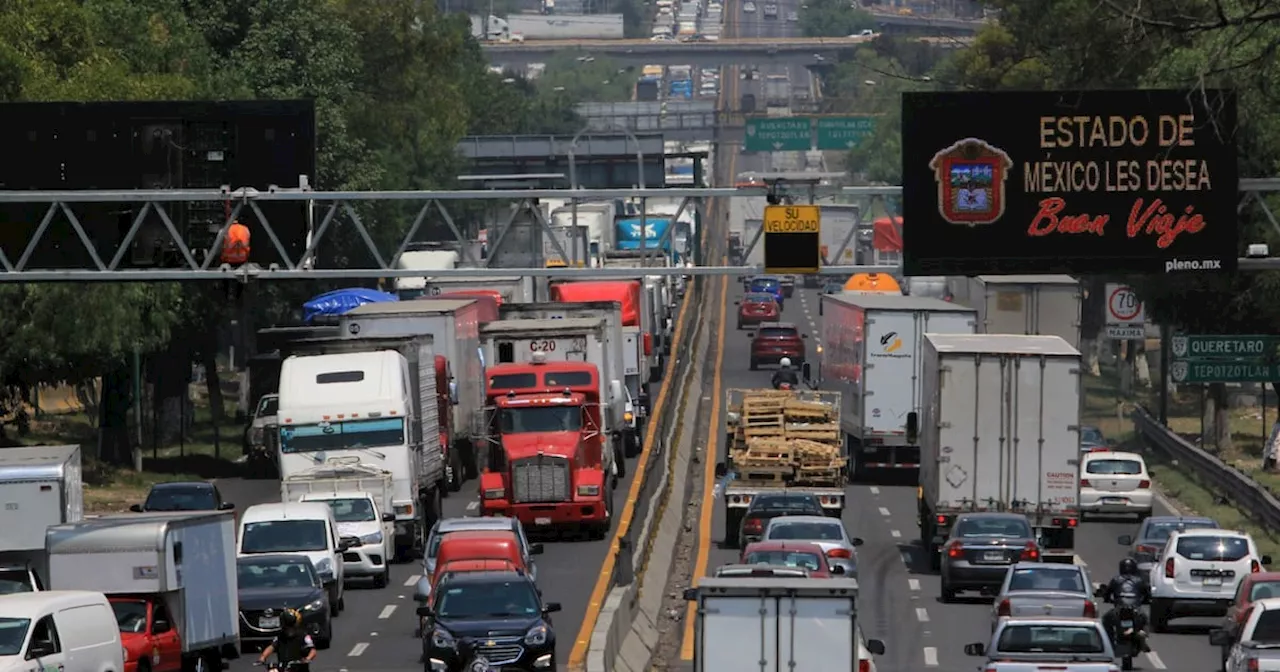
(587, 79)
(870, 83)
(833, 18)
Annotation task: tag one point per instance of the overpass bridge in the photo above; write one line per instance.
(933, 25)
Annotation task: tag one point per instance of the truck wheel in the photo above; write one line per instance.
(619, 457)
(732, 525)
(601, 530)
(454, 476)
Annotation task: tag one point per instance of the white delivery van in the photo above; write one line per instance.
(72, 630)
(306, 528)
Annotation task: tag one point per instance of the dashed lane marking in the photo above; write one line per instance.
(1155, 660)
(913, 584)
(875, 490)
(472, 506)
(387, 611)
(884, 511)
(922, 614)
(413, 580)
(895, 534)
(930, 656)
(358, 649)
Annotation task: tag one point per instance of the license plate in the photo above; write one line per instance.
(269, 623)
(541, 521)
(1211, 581)
(993, 556)
(1114, 500)
(1126, 624)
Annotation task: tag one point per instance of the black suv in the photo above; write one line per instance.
(764, 508)
(500, 614)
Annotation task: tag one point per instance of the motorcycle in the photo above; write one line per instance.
(476, 662)
(786, 387)
(1124, 635)
(279, 666)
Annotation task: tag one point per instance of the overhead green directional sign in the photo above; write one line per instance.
(844, 132)
(778, 134)
(1225, 359)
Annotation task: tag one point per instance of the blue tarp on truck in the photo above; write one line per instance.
(340, 301)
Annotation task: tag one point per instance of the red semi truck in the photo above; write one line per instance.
(548, 467)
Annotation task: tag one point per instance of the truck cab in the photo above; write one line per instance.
(19, 578)
(547, 463)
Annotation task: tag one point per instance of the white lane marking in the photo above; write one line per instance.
(895, 534)
(472, 506)
(930, 656)
(1079, 561)
(413, 580)
(922, 614)
(387, 611)
(357, 649)
(875, 490)
(884, 511)
(1155, 660)
(913, 584)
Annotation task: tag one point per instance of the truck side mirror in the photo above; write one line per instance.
(875, 647)
(975, 649)
(160, 627)
(737, 303)
(136, 508)
(536, 549)
(1266, 559)
(806, 370)
(690, 594)
(388, 517)
(425, 612)
(913, 427)
(1124, 540)
(226, 506)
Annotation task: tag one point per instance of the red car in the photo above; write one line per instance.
(776, 340)
(802, 554)
(756, 308)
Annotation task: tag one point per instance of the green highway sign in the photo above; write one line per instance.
(1252, 348)
(778, 134)
(1214, 371)
(844, 132)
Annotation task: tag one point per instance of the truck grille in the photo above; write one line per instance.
(540, 479)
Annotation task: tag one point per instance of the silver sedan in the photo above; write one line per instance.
(1041, 589)
(828, 533)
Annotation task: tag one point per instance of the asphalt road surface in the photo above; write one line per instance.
(900, 603)
(376, 631)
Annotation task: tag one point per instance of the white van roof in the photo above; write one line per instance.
(259, 513)
(22, 604)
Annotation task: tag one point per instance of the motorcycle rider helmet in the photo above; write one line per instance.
(290, 618)
(786, 361)
(1128, 567)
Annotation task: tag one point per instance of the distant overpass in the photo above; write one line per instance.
(932, 24)
(738, 50)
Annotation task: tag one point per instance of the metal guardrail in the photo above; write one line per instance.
(1244, 493)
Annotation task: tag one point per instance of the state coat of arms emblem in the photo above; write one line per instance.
(971, 177)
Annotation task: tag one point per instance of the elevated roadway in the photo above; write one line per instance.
(923, 23)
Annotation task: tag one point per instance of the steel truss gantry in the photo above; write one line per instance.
(341, 207)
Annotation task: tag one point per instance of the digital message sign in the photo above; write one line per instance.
(792, 238)
(1069, 182)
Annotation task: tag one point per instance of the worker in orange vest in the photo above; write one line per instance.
(235, 249)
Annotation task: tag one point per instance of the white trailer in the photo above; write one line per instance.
(430, 262)
(1023, 304)
(185, 561)
(778, 625)
(566, 26)
(838, 239)
(40, 486)
(873, 354)
(1000, 431)
(598, 217)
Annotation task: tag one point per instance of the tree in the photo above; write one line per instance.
(833, 18)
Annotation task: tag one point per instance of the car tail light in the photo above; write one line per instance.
(1031, 553)
(864, 665)
(1084, 483)
(839, 553)
(753, 525)
(1005, 608)
(1150, 550)
(1168, 568)
(1252, 665)
(1144, 484)
(942, 520)
(1090, 609)
(953, 549)
(1254, 567)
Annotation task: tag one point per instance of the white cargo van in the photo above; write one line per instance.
(59, 630)
(305, 528)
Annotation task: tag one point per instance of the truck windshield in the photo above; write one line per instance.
(541, 419)
(284, 536)
(351, 435)
(13, 632)
(352, 510)
(131, 616)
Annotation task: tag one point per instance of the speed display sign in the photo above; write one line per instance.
(792, 238)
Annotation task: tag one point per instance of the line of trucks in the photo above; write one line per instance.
(980, 405)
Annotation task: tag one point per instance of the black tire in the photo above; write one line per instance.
(381, 580)
(947, 594)
(455, 475)
(1159, 616)
(324, 641)
(620, 456)
(333, 603)
(1126, 663)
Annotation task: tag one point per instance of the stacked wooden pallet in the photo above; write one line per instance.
(781, 439)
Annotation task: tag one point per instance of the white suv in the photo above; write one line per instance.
(1114, 483)
(1198, 572)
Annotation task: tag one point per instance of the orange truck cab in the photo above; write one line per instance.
(147, 633)
(488, 300)
(477, 546)
(478, 565)
(547, 464)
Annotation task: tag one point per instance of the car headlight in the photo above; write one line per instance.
(375, 538)
(315, 606)
(537, 635)
(441, 639)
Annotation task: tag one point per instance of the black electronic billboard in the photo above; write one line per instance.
(1069, 182)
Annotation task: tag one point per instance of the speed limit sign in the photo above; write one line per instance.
(1125, 318)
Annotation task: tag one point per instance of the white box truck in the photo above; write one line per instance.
(510, 288)
(1000, 431)
(181, 565)
(770, 624)
(40, 486)
(1023, 304)
(873, 354)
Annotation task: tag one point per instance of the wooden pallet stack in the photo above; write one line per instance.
(781, 439)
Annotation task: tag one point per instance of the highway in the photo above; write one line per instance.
(376, 631)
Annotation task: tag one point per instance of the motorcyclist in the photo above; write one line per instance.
(292, 645)
(472, 661)
(785, 374)
(1127, 589)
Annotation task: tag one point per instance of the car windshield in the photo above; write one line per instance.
(284, 536)
(180, 499)
(807, 561)
(1050, 639)
(541, 419)
(131, 616)
(778, 332)
(807, 531)
(784, 504)
(759, 298)
(289, 574)
(1263, 590)
(1047, 578)
(1213, 548)
(351, 510)
(498, 599)
(1091, 435)
(992, 527)
(764, 285)
(13, 632)
(15, 581)
(1160, 530)
(1267, 629)
(1117, 467)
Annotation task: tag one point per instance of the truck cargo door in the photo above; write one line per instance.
(29, 508)
(724, 643)
(891, 342)
(1056, 312)
(631, 349)
(819, 636)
